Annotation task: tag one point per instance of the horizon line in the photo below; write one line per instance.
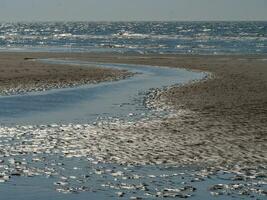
(121, 21)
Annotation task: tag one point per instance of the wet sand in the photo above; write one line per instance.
(216, 126)
(19, 73)
(219, 121)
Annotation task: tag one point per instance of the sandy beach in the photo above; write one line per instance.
(215, 130)
(223, 119)
(133, 100)
(20, 73)
(218, 121)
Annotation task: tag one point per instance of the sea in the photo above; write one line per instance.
(136, 37)
(44, 162)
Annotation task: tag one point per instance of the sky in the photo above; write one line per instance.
(132, 10)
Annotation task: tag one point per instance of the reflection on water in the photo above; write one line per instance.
(77, 178)
(137, 37)
(86, 104)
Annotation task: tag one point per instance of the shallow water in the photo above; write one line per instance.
(104, 181)
(87, 103)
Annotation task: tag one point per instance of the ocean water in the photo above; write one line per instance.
(136, 37)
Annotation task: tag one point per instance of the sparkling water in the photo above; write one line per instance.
(136, 37)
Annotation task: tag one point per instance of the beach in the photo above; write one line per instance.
(212, 129)
(20, 74)
(223, 118)
(220, 120)
(133, 100)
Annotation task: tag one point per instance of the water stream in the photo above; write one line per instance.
(87, 103)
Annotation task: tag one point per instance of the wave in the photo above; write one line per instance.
(134, 36)
(143, 36)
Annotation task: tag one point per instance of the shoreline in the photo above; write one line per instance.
(20, 75)
(196, 143)
(217, 121)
